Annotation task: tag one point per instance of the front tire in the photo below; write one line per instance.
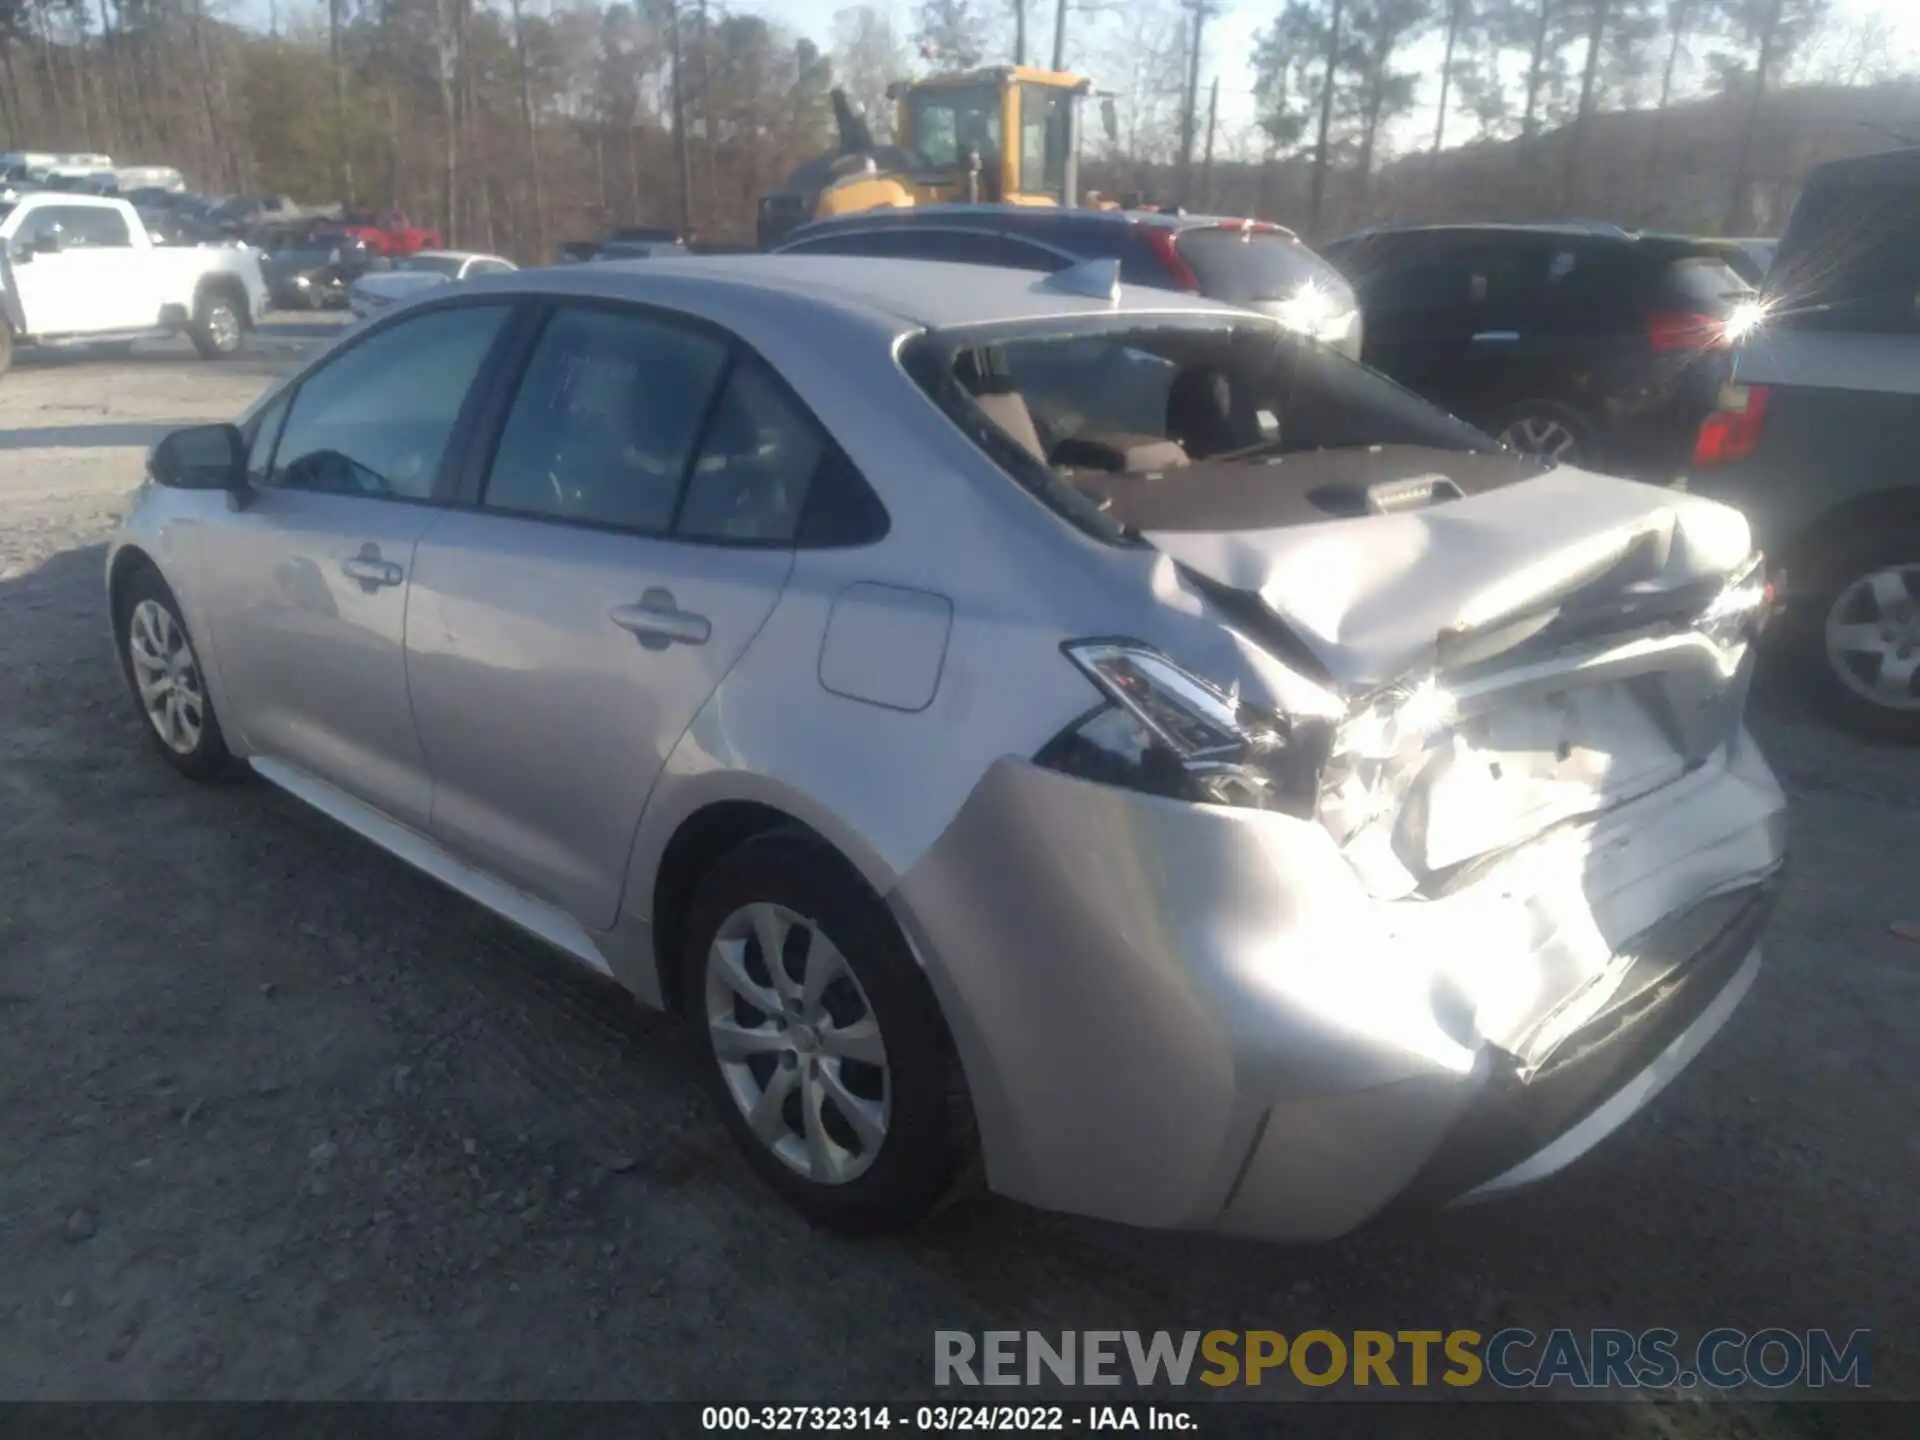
(1857, 635)
(820, 1039)
(217, 329)
(164, 674)
(6, 347)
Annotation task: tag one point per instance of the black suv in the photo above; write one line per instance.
(1583, 345)
(1818, 438)
(1250, 263)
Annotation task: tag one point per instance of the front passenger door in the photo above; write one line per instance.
(307, 586)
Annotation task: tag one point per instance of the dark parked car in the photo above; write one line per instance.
(639, 242)
(313, 274)
(1818, 439)
(1252, 263)
(1579, 344)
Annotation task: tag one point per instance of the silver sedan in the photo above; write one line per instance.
(1098, 732)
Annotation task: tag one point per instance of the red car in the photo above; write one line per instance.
(387, 232)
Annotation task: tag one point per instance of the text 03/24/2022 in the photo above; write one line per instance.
(872, 1419)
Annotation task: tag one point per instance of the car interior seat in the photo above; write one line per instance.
(1201, 413)
(984, 375)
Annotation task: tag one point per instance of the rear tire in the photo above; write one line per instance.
(6, 347)
(163, 675)
(1855, 637)
(1546, 430)
(217, 328)
(834, 1045)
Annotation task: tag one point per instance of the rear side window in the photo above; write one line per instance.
(605, 420)
(757, 458)
(1850, 260)
(627, 420)
(1394, 273)
(1243, 266)
(1706, 284)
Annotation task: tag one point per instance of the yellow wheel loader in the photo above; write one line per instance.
(1005, 135)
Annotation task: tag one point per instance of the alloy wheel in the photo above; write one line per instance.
(1540, 435)
(223, 326)
(798, 1043)
(1873, 636)
(167, 676)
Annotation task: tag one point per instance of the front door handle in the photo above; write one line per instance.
(1495, 337)
(659, 622)
(370, 570)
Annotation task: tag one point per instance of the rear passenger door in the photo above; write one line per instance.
(1416, 294)
(1525, 339)
(632, 525)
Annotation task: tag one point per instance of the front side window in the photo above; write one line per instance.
(944, 123)
(606, 420)
(376, 419)
(262, 434)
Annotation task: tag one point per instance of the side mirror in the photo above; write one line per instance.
(1109, 119)
(201, 457)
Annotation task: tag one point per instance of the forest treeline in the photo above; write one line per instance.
(515, 124)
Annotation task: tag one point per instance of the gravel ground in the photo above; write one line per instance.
(279, 1118)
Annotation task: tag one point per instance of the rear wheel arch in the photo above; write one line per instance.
(700, 842)
(1826, 565)
(1814, 545)
(227, 287)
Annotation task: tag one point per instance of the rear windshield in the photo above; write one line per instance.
(1245, 266)
(1092, 414)
(1850, 260)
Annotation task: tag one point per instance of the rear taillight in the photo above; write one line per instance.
(1679, 330)
(1180, 275)
(1731, 432)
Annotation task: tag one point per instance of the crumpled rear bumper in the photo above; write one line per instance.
(1190, 1016)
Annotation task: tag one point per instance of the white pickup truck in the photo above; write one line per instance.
(82, 270)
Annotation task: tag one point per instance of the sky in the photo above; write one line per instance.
(1229, 42)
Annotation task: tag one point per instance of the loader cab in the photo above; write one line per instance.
(1023, 124)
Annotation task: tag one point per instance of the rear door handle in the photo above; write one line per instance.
(659, 622)
(370, 570)
(1495, 337)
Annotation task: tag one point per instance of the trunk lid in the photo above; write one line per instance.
(1512, 660)
(1375, 597)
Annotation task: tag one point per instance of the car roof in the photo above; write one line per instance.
(1023, 216)
(926, 294)
(1581, 229)
(1884, 166)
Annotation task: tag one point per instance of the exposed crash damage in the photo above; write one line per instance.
(1480, 861)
